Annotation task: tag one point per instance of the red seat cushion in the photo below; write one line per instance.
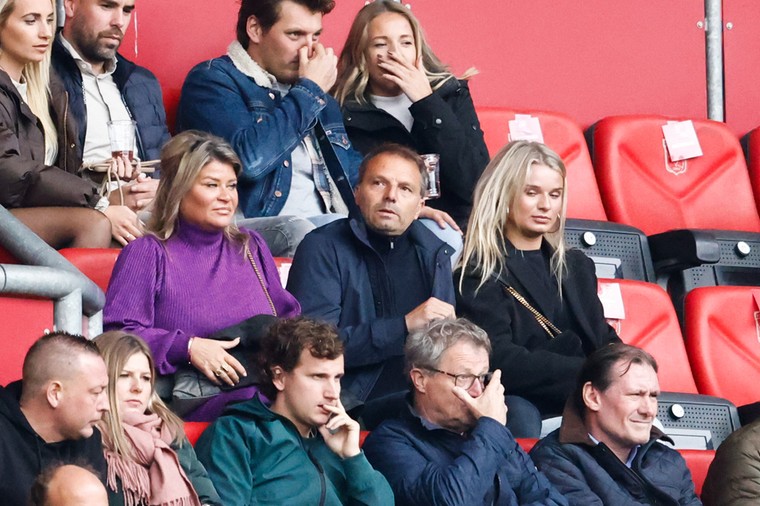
(22, 322)
(698, 462)
(565, 137)
(95, 263)
(723, 342)
(193, 430)
(642, 188)
(651, 323)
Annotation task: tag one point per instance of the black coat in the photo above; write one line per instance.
(24, 454)
(139, 90)
(445, 123)
(533, 366)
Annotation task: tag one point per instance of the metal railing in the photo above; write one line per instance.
(48, 274)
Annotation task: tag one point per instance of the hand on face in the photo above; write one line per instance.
(409, 77)
(321, 66)
(210, 357)
(489, 403)
(341, 432)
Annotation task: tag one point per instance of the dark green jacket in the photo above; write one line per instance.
(194, 471)
(255, 456)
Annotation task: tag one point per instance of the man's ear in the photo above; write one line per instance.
(419, 380)
(68, 7)
(253, 29)
(54, 393)
(419, 208)
(591, 397)
(278, 378)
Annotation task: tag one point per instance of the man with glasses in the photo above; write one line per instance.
(452, 438)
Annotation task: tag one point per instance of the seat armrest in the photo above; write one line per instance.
(676, 250)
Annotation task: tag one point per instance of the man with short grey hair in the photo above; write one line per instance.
(452, 439)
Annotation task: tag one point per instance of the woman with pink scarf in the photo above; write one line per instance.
(150, 461)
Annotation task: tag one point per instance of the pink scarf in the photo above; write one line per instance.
(155, 476)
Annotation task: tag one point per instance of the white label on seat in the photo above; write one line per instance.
(525, 128)
(681, 140)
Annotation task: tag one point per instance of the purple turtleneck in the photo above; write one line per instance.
(194, 284)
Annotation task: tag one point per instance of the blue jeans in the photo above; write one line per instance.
(283, 234)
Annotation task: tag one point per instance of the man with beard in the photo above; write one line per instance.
(103, 86)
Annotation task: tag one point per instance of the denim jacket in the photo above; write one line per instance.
(234, 98)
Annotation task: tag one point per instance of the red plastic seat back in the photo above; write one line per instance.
(642, 188)
(97, 264)
(753, 162)
(698, 462)
(22, 322)
(193, 430)
(723, 341)
(283, 268)
(565, 137)
(651, 324)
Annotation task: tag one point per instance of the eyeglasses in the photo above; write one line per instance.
(465, 381)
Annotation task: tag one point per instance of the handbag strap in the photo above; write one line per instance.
(542, 320)
(261, 279)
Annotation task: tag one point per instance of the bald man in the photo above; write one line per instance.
(49, 416)
(68, 485)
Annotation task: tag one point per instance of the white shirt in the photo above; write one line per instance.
(103, 103)
(303, 200)
(398, 107)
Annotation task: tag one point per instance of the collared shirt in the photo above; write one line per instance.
(632, 455)
(103, 104)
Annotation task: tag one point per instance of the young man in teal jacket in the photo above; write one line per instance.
(302, 448)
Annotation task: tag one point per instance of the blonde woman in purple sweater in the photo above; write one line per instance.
(195, 272)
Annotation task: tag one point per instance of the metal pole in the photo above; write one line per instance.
(61, 286)
(27, 247)
(67, 312)
(714, 52)
(95, 325)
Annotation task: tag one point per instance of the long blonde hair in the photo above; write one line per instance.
(496, 192)
(353, 75)
(117, 347)
(37, 77)
(182, 159)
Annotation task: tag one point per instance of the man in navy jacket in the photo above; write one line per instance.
(378, 274)
(103, 86)
(450, 445)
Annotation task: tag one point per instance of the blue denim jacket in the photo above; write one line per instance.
(263, 127)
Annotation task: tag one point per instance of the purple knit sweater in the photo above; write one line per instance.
(196, 283)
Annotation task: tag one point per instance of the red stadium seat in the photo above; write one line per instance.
(565, 137)
(752, 153)
(701, 211)
(97, 264)
(651, 323)
(283, 268)
(642, 188)
(22, 322)
(193, 430)
(698, 462)
(722, 341)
